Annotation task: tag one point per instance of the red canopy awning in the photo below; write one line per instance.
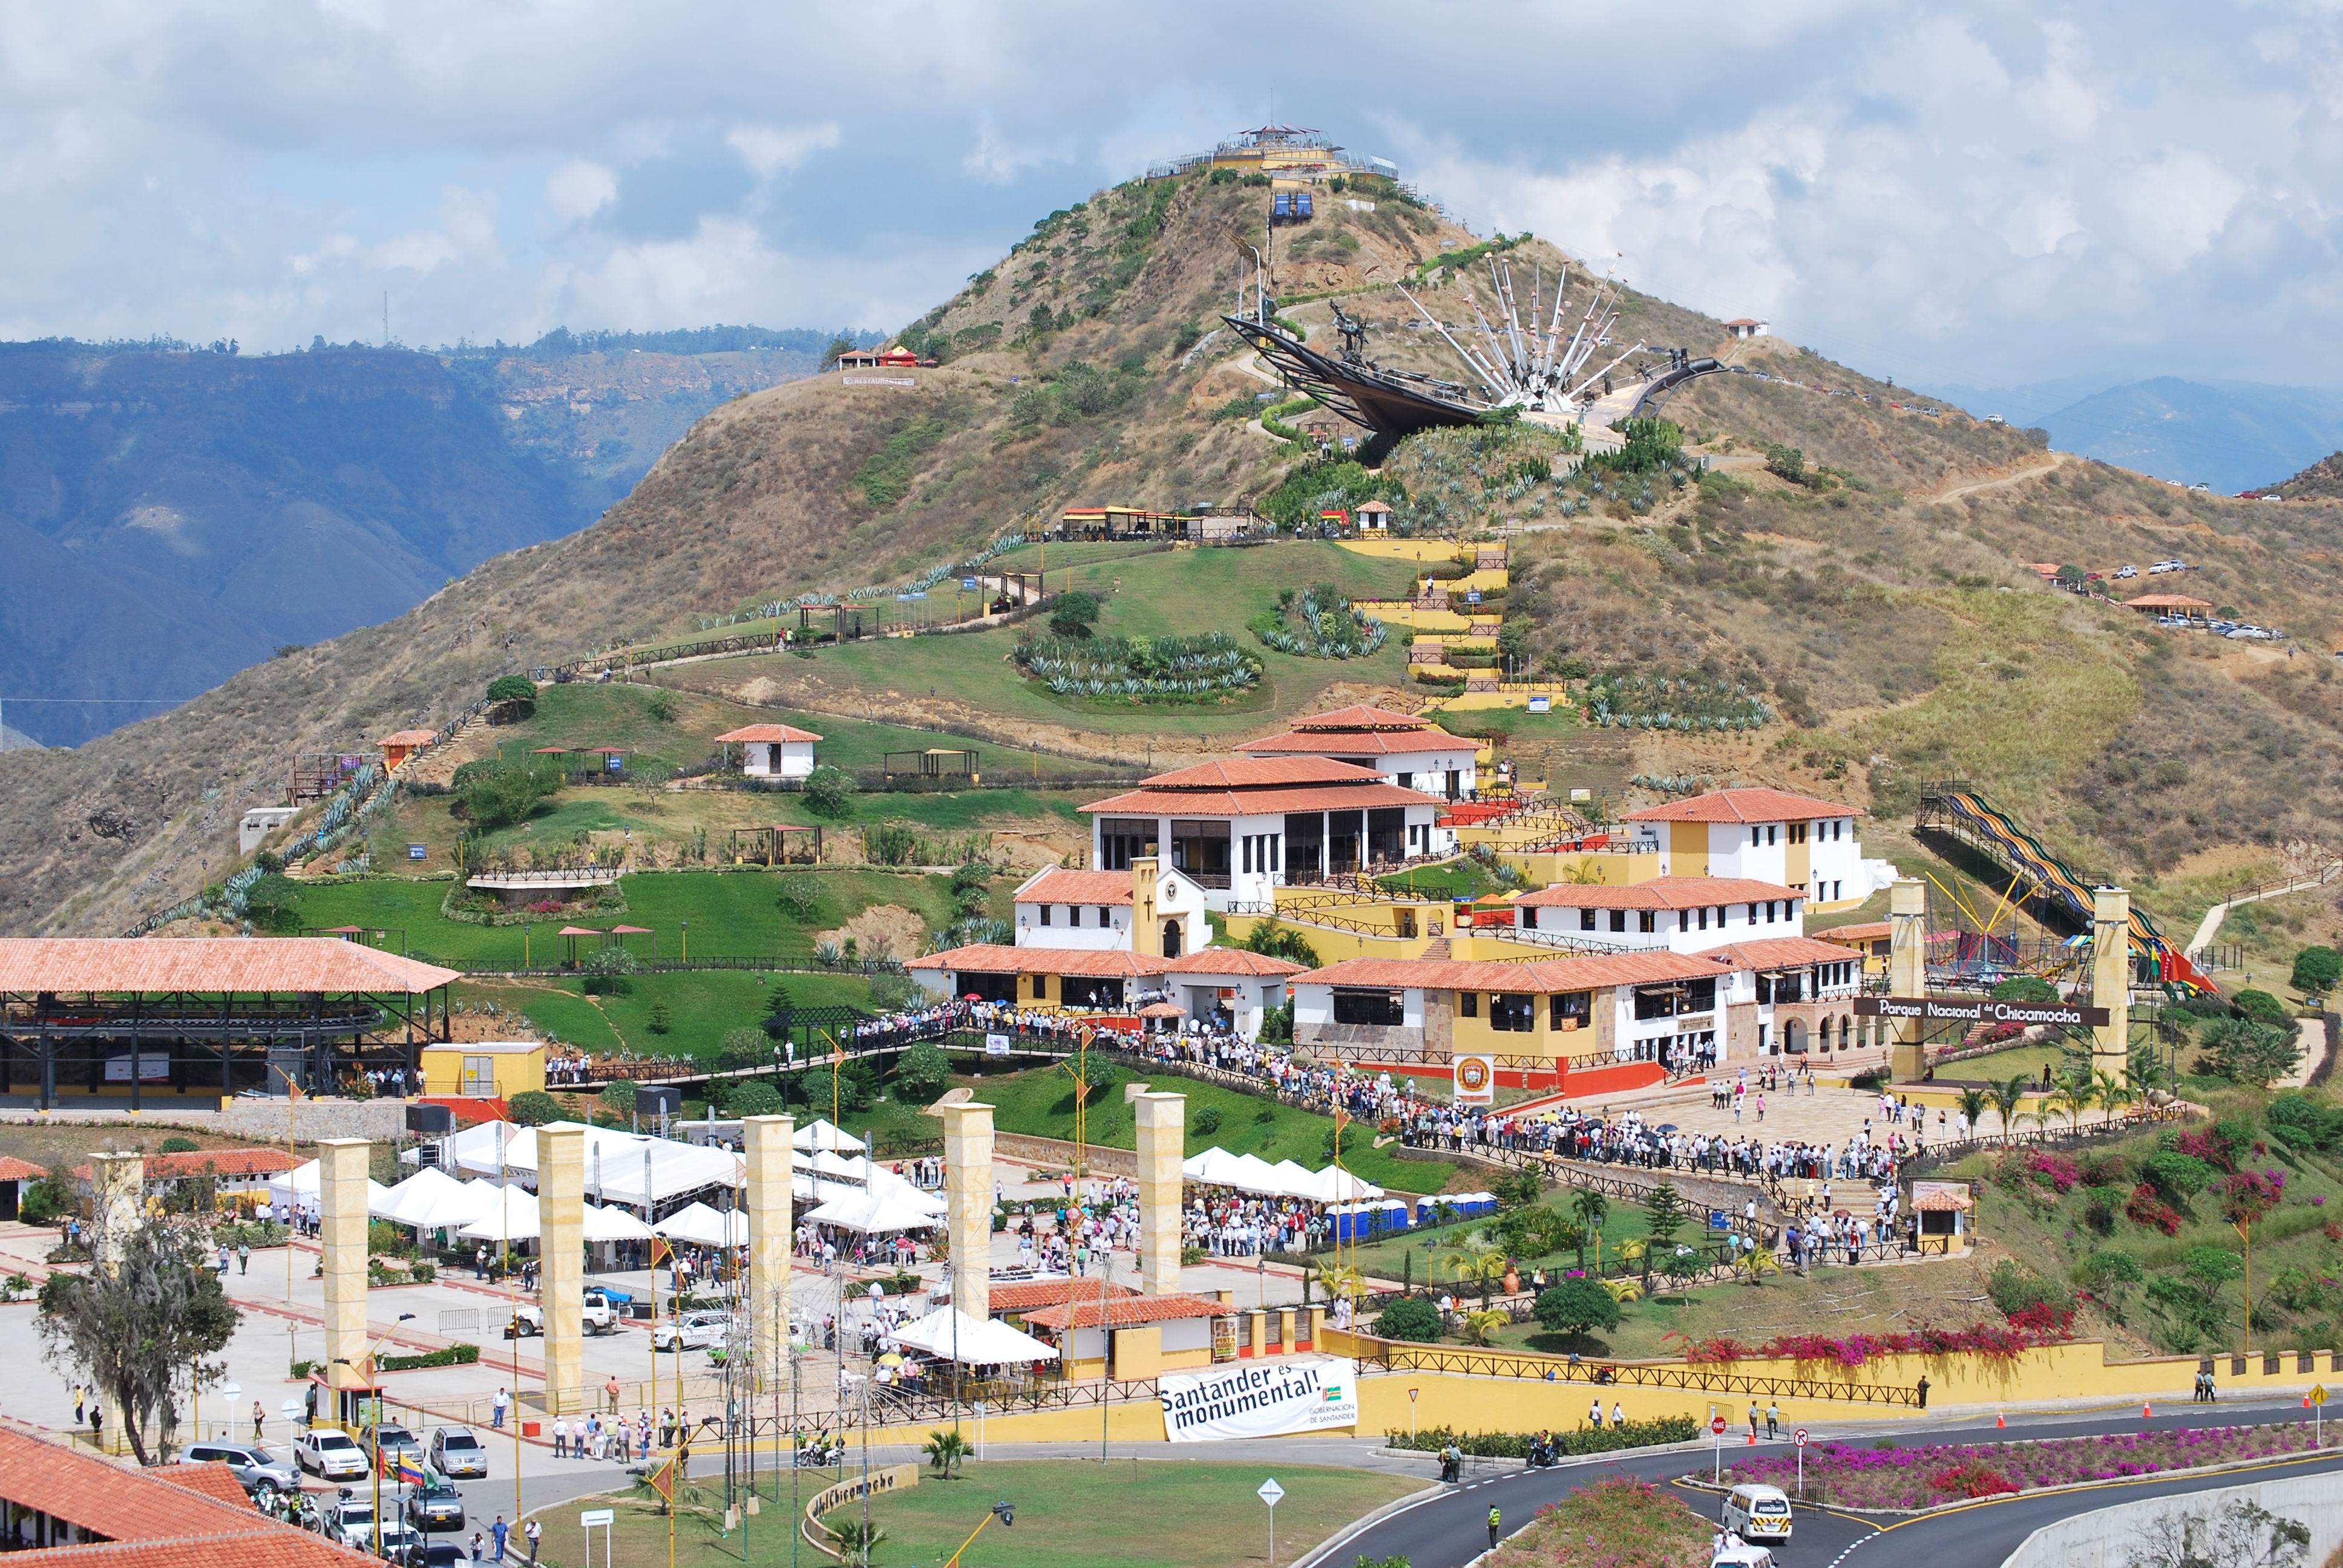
(580, 931)
(630, 930)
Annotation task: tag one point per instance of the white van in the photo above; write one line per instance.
(1757, 1513)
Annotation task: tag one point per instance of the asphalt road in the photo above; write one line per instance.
(1450, 1531)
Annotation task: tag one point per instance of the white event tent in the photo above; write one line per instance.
(513, 1218)
(614, 1162)
(300, 1185)
(880, 1208)
(706, 1227)
(1217, 1166)
(954, 1335)
(822, 1134)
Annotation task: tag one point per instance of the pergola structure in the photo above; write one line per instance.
(292, 1005)
(774, 845)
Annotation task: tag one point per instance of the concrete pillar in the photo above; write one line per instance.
(968, 1204)
(117, 1206)
(1146, 936)
(1908, 973)
(2111, 971)
(342, 1164)
(1317, 1328)
(1162, 1126)
(562, 1264)
(765, 1143)
(1285, 1331)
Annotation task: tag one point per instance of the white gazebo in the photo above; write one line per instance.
(705, 1227)
(953, 1335)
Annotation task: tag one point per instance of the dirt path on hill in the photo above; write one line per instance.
(2018, 477)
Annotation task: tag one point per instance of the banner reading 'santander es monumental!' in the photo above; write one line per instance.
(1260, 1398)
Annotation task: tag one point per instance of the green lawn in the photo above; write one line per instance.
(701, 1007)
(1169, 1512)
(1174, 593)
(733, 914)
(1040, 1102)
(1459, 878)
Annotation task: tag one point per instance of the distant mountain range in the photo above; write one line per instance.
(2230, 434)
(172, 515)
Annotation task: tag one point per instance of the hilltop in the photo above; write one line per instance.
(1874, 585)
(219, 507)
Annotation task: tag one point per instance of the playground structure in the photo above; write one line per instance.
(775, 846)
(1955, 811)
(318, 774)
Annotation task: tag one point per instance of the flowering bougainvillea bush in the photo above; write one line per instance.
(1995, 1341)
(1617, 1523)
(1892, 1476)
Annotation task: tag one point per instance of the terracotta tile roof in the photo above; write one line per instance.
(1361, 716)
(989, 959)
(768, 734)
(2167, 601)
(1661, 893)
(1862, 932)
(1026, 1295)
(1743, 805)
(212, 965)
(1380, 743)
(1253, 772)
(408, 738)
(14, 1169)
(148, 1518)
(211, 1162)
(1077, 888)
(1232, 961)
(1126, 1311)
(1558, 975)
(1261, 803)
(216, 1482)
(1941, 1199)
(1781, 953)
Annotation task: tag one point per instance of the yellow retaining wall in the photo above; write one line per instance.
(1407, 549)
(1543, 869)
(1407, 612)
(1477, 1403)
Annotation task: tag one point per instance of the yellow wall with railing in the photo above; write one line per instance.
(1546, 869)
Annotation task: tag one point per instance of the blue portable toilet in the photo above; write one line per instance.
(1301, 204)
(1281, 206)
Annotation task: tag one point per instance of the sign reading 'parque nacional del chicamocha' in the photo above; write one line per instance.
(1260, 1400)
(1959, 1010)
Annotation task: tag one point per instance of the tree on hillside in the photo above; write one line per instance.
(512, 689)
(533, 1108)
(619, 1098)
(273, 903)
(2316, 970)
(2259, 1006)
(830, 791)
(1274, 941)
(1576, 1307)
(2025, 987)
(921, 1073)
(2245, 1051)
(1665, 1214)
(1075, 613)
(135, 1329)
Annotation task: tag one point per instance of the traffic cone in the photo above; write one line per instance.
(2305, 1402)
(1753, 1437)
(2147, 1412)
(1999, 1418)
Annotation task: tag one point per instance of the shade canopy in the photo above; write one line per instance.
(512, 1218)
(878, 1210)
(705, 1227)
(417, 1193)
(823, 1133)
(1218, 1168)
(613, 1160)
(614, 1224)
(953, 1335)
(301, 1183)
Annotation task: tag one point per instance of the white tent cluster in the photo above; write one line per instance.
(1217, 1166)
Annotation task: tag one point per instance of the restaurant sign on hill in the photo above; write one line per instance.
(1971, 1009)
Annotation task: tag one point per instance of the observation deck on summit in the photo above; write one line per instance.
(1295, 152)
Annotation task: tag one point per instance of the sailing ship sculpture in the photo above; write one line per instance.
(1536, 369)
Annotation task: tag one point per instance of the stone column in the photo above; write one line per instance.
(342, 1164)
(765, 1141)
(1908, 973)
(2111, 973)
(1162, 1126)
(117, 1206)
(968, 1204)
(561, 1266)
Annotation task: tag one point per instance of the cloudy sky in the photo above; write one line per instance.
(1987, 195)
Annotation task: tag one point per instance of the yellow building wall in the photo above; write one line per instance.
(1406, 612)
(516, 1071)
(1798, 865)
(1688, 849)
(1545, 869)
(1403, 550)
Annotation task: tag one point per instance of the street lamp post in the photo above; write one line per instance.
(374, 1422)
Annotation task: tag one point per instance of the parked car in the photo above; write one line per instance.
(254, 1465)
(393, 1441)
(457, 1454)
(331, 1453)
(2160, 567)
(401, 1543)
(351, 1522)
(2126, 571)
(435, 1508)
(605, 1310)
(692, 1331)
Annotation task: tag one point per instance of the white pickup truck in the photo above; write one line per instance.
(604, 1311)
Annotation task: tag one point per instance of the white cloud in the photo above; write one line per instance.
(2011, 189)
(579, 188)
(768, 149)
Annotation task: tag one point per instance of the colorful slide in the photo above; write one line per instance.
(1990, 828)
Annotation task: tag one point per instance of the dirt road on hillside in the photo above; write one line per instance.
(2050, 464)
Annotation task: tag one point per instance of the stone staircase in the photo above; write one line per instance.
(1437, 948)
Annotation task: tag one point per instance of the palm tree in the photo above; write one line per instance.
(1759, 1262)
(1592, 1209)
(1469, 1268)
(2007, 1098)
(1973, 1104)
(2112, 1094)
(1624, 1289)
(1481, 1327)
(945, 1450)
(2073, 1096)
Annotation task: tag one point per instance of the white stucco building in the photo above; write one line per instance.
(1242, 828)
(1672, 914)
(1412, 753)
(773, 750)
(1094, 911)
(1763, 836)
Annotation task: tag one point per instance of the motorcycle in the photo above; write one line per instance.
(823, 1453)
